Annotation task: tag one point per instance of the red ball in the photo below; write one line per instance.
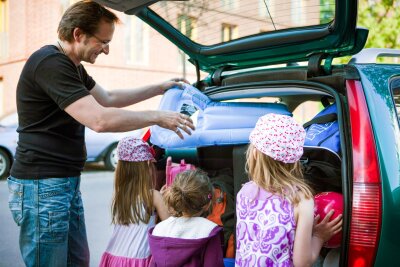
(323, 203)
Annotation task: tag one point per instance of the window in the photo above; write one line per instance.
(327, 11)
(3, 28)
(65, 4)
(229, 32)
(136, 41)
(229, 4)
(188, 26)
(297, 13)
(396, 97)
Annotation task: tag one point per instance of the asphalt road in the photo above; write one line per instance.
(96, 188)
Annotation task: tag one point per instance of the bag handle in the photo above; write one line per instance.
(321, 119)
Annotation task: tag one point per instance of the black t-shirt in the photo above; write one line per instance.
(51, 143)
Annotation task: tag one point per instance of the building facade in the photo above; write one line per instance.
(138, 54)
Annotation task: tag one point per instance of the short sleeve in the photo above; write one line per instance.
(61, 80)
(86, 78)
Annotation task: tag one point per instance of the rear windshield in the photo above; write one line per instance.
(210, 22)
(396, 97)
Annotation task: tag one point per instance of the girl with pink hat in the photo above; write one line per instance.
(275, 210)
(134, 207)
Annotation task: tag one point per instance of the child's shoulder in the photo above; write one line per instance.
(252, 190)
(182, 227)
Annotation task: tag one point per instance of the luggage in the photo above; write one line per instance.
(323, 130)
(172, 169)
(322, 169)
(223, 209)
(321, 158)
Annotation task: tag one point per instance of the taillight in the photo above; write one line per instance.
(366, 213)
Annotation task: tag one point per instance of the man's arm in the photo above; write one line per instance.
(127, 97)
(90, 113)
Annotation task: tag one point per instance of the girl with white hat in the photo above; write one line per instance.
(275, 210)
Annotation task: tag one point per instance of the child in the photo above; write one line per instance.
(275, 210)
(186, 238)
(134, 202)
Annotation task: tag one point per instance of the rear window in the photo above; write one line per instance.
(211, 22)
(396, 97)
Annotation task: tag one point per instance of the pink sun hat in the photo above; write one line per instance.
(279, 136)
(134, 150)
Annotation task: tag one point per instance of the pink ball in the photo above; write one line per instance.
(323, 203)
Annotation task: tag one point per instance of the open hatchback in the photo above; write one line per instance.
(256, 56)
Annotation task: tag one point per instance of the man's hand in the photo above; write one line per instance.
(176, 122)
(175, 82)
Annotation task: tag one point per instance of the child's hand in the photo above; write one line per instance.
(326, 229)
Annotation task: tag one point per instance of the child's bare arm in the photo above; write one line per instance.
(302, 252)
(310, 236)
(160, 206)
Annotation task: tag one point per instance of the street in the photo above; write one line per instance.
(96, 188)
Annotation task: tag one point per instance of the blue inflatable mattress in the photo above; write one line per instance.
(217, 123)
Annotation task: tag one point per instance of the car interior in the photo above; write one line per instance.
(291, 87)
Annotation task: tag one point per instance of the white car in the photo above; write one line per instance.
(99, 146)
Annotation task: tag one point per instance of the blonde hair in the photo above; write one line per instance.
(190, 192)
(133, 186)
(285, 179)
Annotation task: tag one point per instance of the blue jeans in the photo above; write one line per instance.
(52, 225)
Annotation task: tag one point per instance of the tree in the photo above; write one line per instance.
(382, 18)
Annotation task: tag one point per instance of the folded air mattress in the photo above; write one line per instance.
(217, 123)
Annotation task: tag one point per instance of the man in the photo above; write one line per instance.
(56, 99)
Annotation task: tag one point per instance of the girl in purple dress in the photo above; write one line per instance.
(275, 210)
(134, 207)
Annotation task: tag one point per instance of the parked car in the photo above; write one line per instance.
(99, 146)
(283, 51)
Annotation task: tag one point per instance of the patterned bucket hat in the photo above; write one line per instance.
(279, 136)
(134, 150)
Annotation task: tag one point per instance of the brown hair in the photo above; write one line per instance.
(285, 179)
(85, 15)
(190, 192)
(133, 186)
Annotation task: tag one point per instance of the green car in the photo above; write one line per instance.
(283, 52)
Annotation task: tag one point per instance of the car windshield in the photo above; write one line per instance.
(211, 22)
(9, 120)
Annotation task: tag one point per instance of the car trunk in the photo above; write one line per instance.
(291, 86)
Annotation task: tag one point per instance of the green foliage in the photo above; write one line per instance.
(382, 18)
(327, 11)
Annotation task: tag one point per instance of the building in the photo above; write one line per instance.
(138, 55)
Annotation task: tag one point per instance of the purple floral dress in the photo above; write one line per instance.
(265, 228)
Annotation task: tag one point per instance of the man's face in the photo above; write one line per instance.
(94, 45)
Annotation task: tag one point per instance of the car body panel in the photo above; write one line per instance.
(9, 139)
(387, 138)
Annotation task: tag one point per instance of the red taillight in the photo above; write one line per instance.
(366, 213)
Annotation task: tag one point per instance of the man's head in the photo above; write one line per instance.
(85, 15)
(90, 27)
